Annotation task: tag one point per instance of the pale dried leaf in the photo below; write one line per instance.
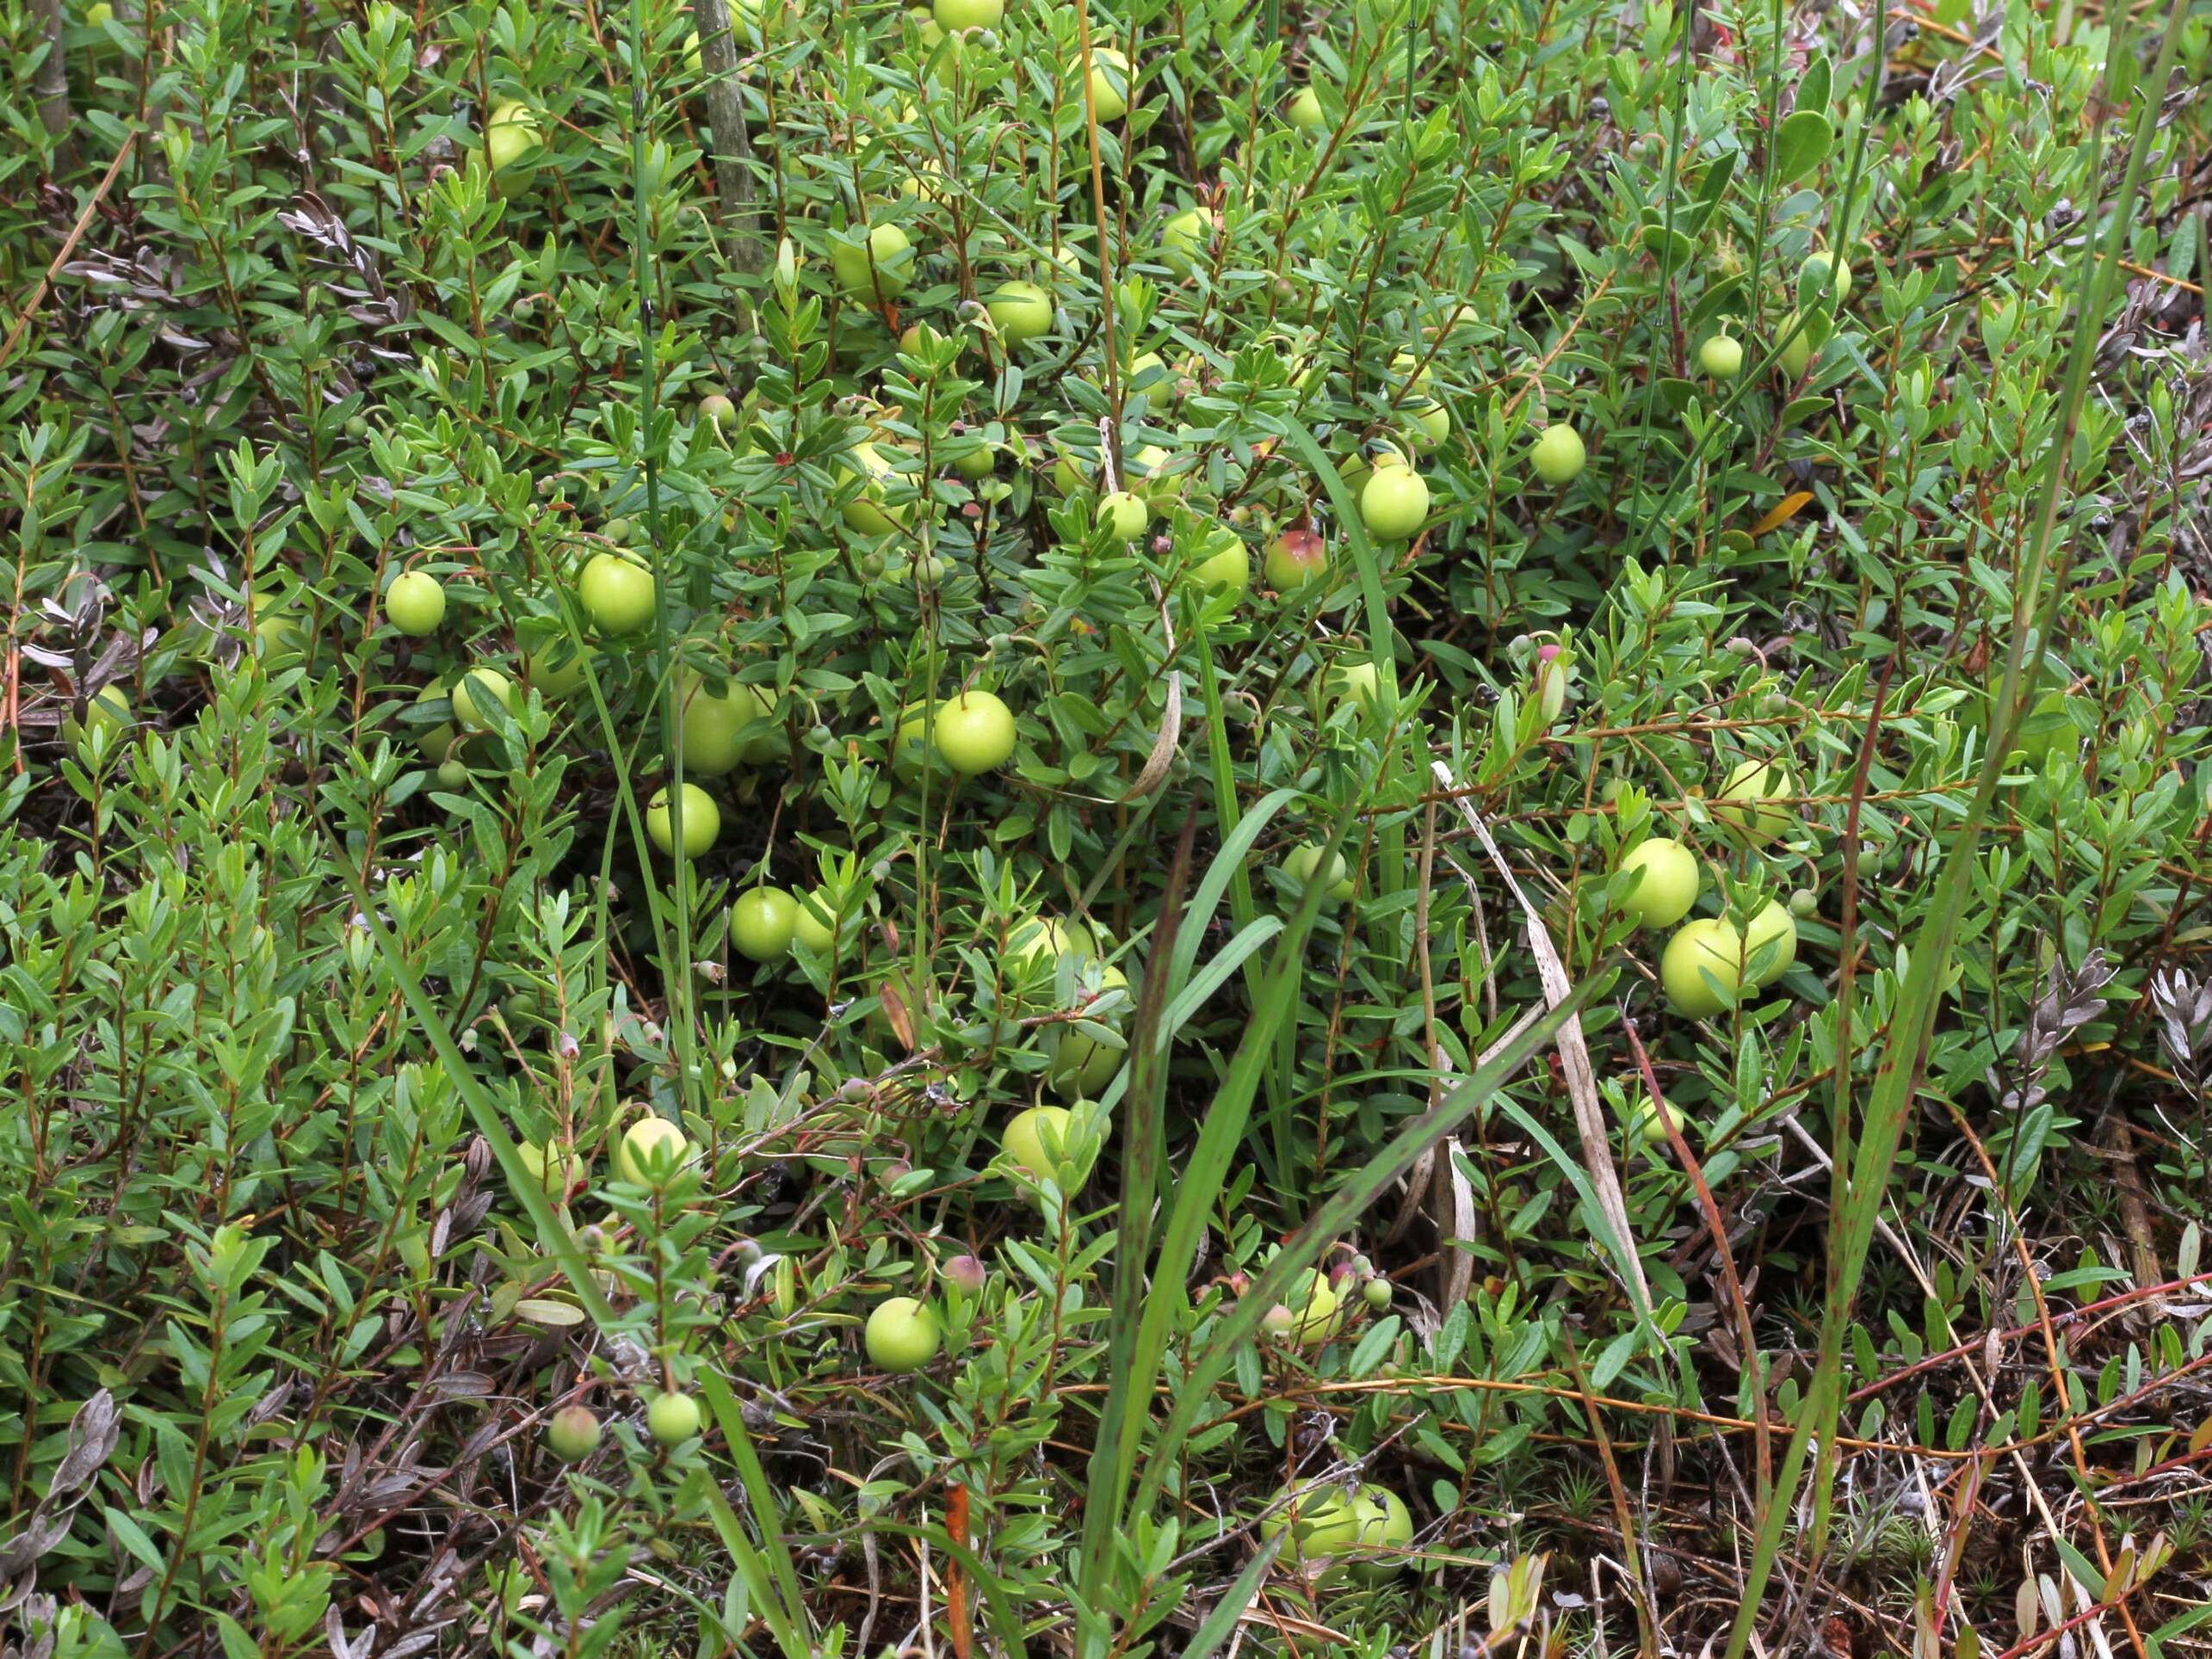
(1574, 1056)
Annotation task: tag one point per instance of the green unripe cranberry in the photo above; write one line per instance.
(106, 710)
(1798, 344)
(953, 16)
(1772, 926)
(1383, 1527)
(1669, 885)
(1085, 1065)
(672, 1418)
(278, 630)
(762, 922)
(1746, 801)
(1303, 863)
(650, 1151)
(1110, 84)
(1358, 683)
(617, 593)
(866, 512)
(1377, 1292)
(712, 726)
(1021, 311)
(978, 461)
(1721, 357)
(817, 923)
(511, 133)
(1804, 903)
(1223, 567)
(1306, 111)
(573, 1433)
(1647, 1127)
(1818, 269)
(453, 774)
(901, 1335)
(716, 410)
(1183, 236)
(475, 693)
(553, 670)
(877, 267)
(1124, 514)
(1559, 454)
(416, 603)
(702, 820)
(1701, 966)
(974, 733)
(560, 1169)
(1030, 1138)
(1039, 942)
(1319, 1523)
(1317, 1307)
(1393, 503)
(435, 742)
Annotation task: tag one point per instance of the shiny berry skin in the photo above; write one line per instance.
(416, 603)
(673, 1419)
(1559, 455)
(902, 1334)
(763, 921)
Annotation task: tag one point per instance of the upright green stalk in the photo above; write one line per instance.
(1666, 231)
(1775, 23)
(678, 986)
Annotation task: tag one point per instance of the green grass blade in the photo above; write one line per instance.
(1136, 1362)
(1214, 1628)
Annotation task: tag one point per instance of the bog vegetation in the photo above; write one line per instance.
(1105, 829)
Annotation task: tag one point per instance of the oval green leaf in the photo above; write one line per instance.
(1801, 144)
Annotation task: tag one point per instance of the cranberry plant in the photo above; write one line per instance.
(1177, 564)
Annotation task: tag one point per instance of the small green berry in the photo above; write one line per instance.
(673, 1419)
(573, 1433)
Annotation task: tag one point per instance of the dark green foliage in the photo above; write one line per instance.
(337, 961)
